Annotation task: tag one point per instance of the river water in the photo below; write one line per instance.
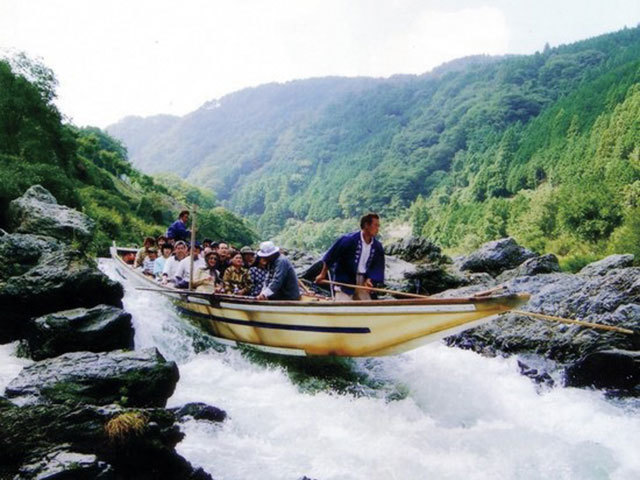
(433, 413)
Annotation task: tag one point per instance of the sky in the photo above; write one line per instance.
(115, 58)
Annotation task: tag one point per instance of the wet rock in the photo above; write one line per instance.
(62, 463)
(431, 278)
(417, 250)
(40, 275)
(200, 411)
(607, 369)
(38, 211)
(134, 443)
(539, 377)
(100, 329)
(495, 257)
(603, 266)
(534, 266)
(137, 379)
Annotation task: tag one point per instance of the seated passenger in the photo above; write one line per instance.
(223, 255)
(158, 265)
(248, 256)
(148, 265)
(142, 253)
(173, 262)
(236, 279)
(207, 278)
(258, 273)
(282, 283)
(183, 272)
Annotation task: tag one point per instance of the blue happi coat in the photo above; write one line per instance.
(178, 231)
(343, 257)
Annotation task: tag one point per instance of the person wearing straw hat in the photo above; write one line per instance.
(282, 282)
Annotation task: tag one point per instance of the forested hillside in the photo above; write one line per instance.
(87, 169)
(542, 147)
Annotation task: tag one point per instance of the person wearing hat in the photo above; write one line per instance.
(282, 281)
(248, 256)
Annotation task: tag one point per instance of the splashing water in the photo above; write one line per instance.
(436, 412)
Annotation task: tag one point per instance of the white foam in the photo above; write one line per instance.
(10, 365)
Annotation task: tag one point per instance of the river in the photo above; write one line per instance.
(433, 413)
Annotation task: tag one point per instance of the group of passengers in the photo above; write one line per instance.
(217, 266)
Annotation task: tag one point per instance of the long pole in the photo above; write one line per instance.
(193, 241)
(374, 289)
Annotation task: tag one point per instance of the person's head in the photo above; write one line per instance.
(237, 260)
(370, 224)
(248, 255)
(268, 251)
(161, 240)
(223, 251)
(206, 243)
(211, 259)
(184, 216)
(214, 246)
(181, 250)
(152, 253)
(196, 249)
(262, 262)
(166, 250)
(149, 242)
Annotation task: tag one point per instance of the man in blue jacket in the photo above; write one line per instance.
(178, 229)
(356, 258)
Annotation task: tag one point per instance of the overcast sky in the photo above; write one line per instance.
(142, 57)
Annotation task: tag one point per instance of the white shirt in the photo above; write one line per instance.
(364, 254)
(184, 267)
(171, 267)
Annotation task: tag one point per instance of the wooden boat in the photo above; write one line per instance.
(314, 326)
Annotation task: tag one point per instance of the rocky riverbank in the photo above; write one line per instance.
(606, 292)
(89, 406)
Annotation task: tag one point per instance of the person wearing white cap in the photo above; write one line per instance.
(282, 282)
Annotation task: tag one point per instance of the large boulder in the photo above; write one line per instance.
(417, 250)
(495, 257)
(601, 267)
(609, 369)
(105, 442)
(40, 275)
(534, 266)
(98, 329)
(37, 211)
(430, 278)
(136, 379)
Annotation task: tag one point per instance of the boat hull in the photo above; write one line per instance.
(314, 327)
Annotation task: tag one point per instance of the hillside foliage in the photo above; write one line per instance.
(87, 169)
(542, 147)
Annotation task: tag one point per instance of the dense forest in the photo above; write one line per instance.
(542, 147)
(87, 169)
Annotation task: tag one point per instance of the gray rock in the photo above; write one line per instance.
(99, 329)
(37, 211)
(495, 257)
(430, 278)
(417, 250)
(40, 275)
(601, 267)
(609, 369)
(534, 266)
(64, 464)
(137, 379)
(200, 411)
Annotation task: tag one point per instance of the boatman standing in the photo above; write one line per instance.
(178, 229)
(357, 259)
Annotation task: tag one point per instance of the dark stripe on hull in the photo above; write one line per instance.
(277, 326)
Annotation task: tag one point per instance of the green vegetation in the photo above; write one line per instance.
(542, 147)
(87, 169)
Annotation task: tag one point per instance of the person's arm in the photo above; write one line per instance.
(330, 258)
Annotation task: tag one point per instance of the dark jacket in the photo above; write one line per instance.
(178, 231)
(343, 257)
(282, 281)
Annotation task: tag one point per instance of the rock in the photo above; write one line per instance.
(134, 443)
(611, 262)
(607, 369)
(137, 379)
(430, 278)
(200, 411)
(534, 266)
(611, 299)
(62, 463)
(40, 275)
(495, 257)
(99, 329)
(396, 271)
(417, 250)
(37, 211)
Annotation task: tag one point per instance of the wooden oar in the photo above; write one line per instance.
(374, 289)
(575, 322)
